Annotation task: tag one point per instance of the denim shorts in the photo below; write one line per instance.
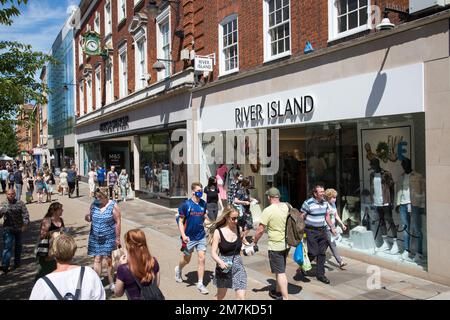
(200, 245)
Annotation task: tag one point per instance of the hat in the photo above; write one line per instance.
(273, 193)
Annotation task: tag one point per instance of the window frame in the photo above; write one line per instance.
(222, 58)
(80, 52)
(98, 87)
(333, 33)
(163, 18)
(89, 95)
(97, 26)
(266, 34)
(121, 4)
(109, 85)
(108, 19)
(123, 71)
(81, 93)
(141, 38)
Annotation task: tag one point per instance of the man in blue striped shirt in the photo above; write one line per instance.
(316, 215)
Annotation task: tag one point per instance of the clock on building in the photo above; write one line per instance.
(91, 44)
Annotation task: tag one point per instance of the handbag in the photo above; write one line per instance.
(42, 247)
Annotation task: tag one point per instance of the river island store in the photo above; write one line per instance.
(359, 119)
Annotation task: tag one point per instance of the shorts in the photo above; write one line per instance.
(277, 261)
(199, 245)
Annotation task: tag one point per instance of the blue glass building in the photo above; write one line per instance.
(61, 101)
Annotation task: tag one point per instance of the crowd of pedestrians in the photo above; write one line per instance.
(224, 222)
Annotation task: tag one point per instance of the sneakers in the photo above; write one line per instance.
(201, 288)
(323, 279)
(342, 265)
(394, 249)
(405, 256)
(178, 277)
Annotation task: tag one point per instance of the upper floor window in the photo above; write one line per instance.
(89, 94)
(98, 88)
(109, 76)
(80, 52)
(122, 10)
(347, 17)
(277, 29)
(97, 22)
(141, 63)
(81, 100)
(228, 45)
(108, 23)
(163, 42)
(123, 71)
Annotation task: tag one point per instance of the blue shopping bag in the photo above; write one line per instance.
(298, 254)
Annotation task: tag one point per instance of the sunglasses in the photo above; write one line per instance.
(233, 218)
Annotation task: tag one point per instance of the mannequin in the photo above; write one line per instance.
(382, 197)
(410, 204)
(221, 174)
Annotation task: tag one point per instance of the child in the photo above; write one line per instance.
(331, 195)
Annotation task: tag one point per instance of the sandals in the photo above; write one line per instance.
(342, 265)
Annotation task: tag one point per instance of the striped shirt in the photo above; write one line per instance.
(315, 212)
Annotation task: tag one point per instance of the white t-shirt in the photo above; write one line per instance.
(405, 197)
(377, 191)
(66, 281)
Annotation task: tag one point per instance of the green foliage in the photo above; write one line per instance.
(19, 65)
(8, 140)
(9, 9)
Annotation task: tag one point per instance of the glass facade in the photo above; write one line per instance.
(159, 176)
(61, 115)
(377, 167)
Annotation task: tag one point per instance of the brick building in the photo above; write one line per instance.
(333, 91)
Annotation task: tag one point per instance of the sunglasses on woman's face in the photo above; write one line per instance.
(233, 218)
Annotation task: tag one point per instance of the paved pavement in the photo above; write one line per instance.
(162, 235)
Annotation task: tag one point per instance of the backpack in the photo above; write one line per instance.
(295, 227)
(148, 292)
(68, 295)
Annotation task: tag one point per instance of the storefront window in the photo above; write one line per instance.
(159, 176)
(377, 167)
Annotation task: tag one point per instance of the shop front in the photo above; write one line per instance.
(363, 131)
(139, 142)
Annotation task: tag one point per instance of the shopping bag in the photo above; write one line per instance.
(29, 196)
(115, 256)
(298, 254)
(306, 266)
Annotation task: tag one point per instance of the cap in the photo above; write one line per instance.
(273, 193)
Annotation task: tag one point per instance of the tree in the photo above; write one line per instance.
(18, 67)
(8, 139)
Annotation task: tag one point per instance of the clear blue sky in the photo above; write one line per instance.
(39, 23)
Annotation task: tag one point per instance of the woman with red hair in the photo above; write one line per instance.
(137, 266)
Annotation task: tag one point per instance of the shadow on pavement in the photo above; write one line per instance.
(192, 278)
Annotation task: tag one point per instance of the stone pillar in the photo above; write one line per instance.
(137, 162)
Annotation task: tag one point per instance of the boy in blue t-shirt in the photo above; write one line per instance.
(191, 219)
(101, 176)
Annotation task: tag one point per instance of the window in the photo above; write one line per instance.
(122, 10)
(89, 94)
(163, 42)
(347, 17)
(277, 29)
(141, 63)
(109, 83)
(228, 45)
(108, 26)
(81, 85)
(98, 88)
(97, 22)
(80, 52)
(123, 75)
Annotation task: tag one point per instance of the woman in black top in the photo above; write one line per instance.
(226, 238)
(51, 226)
(212, 199)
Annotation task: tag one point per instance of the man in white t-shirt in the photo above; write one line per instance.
(66, 278)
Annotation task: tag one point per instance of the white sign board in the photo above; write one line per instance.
(393, 91)
(203, 64)
(165, 179)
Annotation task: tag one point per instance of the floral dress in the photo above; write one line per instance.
(102, 238)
